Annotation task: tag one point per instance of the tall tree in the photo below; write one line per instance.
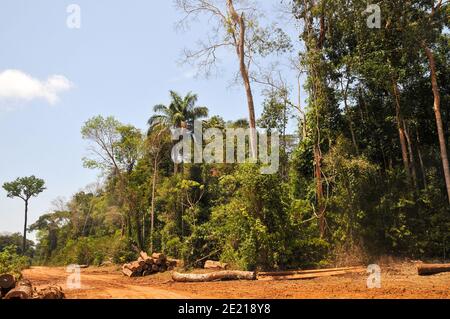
(180, 113)
(115, 149)
(25, 188)
(236, 27)
(437, 19)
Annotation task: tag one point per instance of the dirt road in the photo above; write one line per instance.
(398, 281)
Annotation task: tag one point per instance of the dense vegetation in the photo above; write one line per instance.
(363, 176)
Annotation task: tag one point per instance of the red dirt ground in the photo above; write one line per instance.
(398, 281)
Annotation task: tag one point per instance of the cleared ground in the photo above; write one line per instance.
(398, 281)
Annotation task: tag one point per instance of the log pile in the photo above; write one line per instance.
(147, 265)
(432, 269)
(23, 289)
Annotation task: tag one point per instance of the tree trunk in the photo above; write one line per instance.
(319, 190)
(437, 113)
(214, 276)
(152, 213)
(431, 269)
(350, 122)
(240, 50)
(422, 166)
(24, 243)
(401, 130)
(411, 155)
(23, 290)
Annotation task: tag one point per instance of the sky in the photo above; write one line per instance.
(123, 60)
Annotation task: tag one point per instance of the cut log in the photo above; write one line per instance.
(155, 268)
(432, 269)
(7, 282)
(144, 255)
(127, 272)
(173, 263)
(211, 264)
(159, 256)
(214, 276)
(149, 262)
(23, 290)
(312, 275)
(302, 272)
(130, 271)
(141, 262)
(51, 292)
(135, 266)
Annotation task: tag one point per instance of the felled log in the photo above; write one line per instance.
(142, 263)
(132, 270)
(302, 272)
(159, 258)
(7, 282)
(173, 263)
(23, 290)
(312, 275)
(211, 264)
(51, 292)
(432, 269)
(155, 268)
(214, 276)
(144, 255)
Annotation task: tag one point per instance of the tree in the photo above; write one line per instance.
(115, 149)
(25, 188)
(180, 113)
(236, 28)
(437, 19)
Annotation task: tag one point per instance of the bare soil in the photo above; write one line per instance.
(399, 281)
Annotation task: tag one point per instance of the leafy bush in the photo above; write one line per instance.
(94, 251)
(11, 262)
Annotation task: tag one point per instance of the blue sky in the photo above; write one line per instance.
(121, 62)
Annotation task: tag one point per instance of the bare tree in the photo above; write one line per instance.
(234, 25)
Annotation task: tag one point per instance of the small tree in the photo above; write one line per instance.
(25, 188)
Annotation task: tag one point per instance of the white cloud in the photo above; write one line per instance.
(17, 85)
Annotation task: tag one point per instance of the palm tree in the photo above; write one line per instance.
(180, 113)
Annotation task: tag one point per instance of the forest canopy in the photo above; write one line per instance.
(365, 173)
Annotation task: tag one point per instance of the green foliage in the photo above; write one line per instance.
(11, 262)
(25, 187)
(347, 171)
(94, 251)
(16, 241)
